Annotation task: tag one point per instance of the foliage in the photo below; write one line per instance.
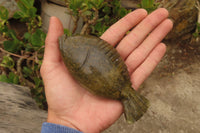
(197, 33)
(97, 15)
(23, 54)
(149, 5)
(3, 18)
(28, 14)
(11, 78)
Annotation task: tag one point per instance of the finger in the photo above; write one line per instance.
(141, 53)
(145, 69)
(51, 53)
(139, 33)
(117, 31)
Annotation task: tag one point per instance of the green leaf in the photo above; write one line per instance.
(18, 15)
(26, 9)
(13, 78)
(195, 34)
(11, 33)
(3, 13)
(11, 46)
(27, 36)
(32, 12)
(123, 12)
(40, 62)
(149, 5)
(87, 13)
(37, 82)
(100, 3)
(3, 78)
(27, 71)
(67, 32)
(27, 3)
(75, 4)
(38, 38)
(106, 18)
(106, 10)
(144, 3)
(22, 6)
(92, 4)
(7, 62)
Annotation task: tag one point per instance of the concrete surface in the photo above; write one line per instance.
(175, 105)
(18, 111)
(61, 12)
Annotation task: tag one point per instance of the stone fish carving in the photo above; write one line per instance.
(98, 67)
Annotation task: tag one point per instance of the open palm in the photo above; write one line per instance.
(71, 105)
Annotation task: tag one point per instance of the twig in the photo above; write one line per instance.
(96, 16)
(34, 58)
(83, 30)
(75, 25)
(19, 56)
(74, 18)
(28, 63)
(198, 7)
(89, 22)
(19, 71)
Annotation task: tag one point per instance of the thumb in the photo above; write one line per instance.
(52, 53)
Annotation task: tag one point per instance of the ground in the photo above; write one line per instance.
(179, 55)
(173, 90)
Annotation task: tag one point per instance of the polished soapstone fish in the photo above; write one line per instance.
(98, 67)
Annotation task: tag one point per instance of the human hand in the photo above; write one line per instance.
(71, 105)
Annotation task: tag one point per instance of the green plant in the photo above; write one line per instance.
(23, 54)
(196, 34)
(149, 5)
(28, 14)
(97, 15)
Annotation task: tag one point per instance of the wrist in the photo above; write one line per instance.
(56, 119)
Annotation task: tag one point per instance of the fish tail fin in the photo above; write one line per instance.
(135, 105)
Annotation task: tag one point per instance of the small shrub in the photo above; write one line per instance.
(97, 15)
(23, 54)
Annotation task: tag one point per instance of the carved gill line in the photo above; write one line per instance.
(86, 58)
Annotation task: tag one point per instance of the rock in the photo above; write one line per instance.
(59, 2)
(11, 5)
(174, 105)
(130, 4)
(18, 111)
(184, 14)
(61, 12)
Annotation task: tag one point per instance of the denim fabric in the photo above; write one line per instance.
(55, 128)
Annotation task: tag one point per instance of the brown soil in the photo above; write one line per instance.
(173, 92)
(179, 55)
